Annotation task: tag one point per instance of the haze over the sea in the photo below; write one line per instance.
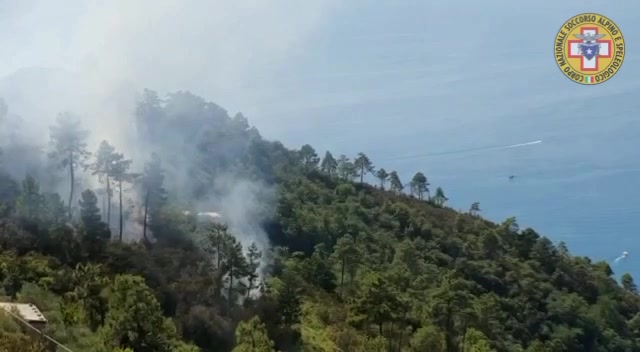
(421, 79)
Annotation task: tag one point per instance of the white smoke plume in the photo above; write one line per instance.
(243, 205)
(214, 48)
(93, 58)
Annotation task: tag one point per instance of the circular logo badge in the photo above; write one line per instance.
(589, 48)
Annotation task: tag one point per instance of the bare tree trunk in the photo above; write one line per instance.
(219, 248)
(72, 177)
(108, 202)
(104, 207)
(230, 283)
(344, 264)
(144, 221)
(120, 196)
(249, 288)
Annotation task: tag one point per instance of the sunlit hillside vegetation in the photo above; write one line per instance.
(359, 258)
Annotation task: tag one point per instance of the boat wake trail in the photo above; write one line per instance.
(482, 149)
(623, 256)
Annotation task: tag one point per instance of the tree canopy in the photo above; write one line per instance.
(345, 265)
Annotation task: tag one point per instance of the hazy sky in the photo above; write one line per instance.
(423, 68)
(388, 78)
(214, 48)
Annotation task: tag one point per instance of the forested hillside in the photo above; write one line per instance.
(311, 251)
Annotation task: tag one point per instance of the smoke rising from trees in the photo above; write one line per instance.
(97, 77)
(191, 151)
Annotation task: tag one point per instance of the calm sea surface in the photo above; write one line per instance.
(410, 79)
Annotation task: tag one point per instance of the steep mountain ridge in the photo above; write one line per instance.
(343, 266)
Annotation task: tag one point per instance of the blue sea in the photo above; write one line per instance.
(410, 78)
(387, 78)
